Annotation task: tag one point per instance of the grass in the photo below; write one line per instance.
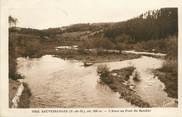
(168, 74)
(123, 89)
(116, 83)
(170, 66)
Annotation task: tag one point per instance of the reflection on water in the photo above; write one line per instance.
(55, 82)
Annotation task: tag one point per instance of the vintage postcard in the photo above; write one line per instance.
(90, 58)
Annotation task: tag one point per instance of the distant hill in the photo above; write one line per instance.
(153, 24)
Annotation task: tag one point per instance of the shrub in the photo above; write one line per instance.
(169, 76)
(25, 97)
(170, 66)
(86, 44)
(82, 51)
(136, 77)
(103, 43)
(15, 76)
(104, 73)
(172, 47)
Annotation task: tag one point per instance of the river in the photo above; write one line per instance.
(55, 82)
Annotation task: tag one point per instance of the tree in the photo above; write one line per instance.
(12, 21)
(154, 24)
(12, 53)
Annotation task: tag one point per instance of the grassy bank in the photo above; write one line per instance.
(116, 80)
(168, 74)
(96, 58)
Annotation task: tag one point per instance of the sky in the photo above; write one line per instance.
(43, 14)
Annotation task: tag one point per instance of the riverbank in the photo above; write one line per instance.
(95, 56)
(98, 58)
(169, 77)
(13, 87)
(118, 83)
(24, 98)
(98, 55)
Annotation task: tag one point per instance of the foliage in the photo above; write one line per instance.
(136, 76)
(169, 71)
(169, 75)
(103, 72)
(154, 24)
(98, 43)
(170, 66)
(12, 21)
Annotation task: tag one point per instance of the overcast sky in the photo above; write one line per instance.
(56, 13)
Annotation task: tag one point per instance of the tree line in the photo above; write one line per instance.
(154, 24)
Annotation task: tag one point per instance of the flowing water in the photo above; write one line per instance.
(55, 82)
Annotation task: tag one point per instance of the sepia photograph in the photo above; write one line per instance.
(130, 63)
(92, 54)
